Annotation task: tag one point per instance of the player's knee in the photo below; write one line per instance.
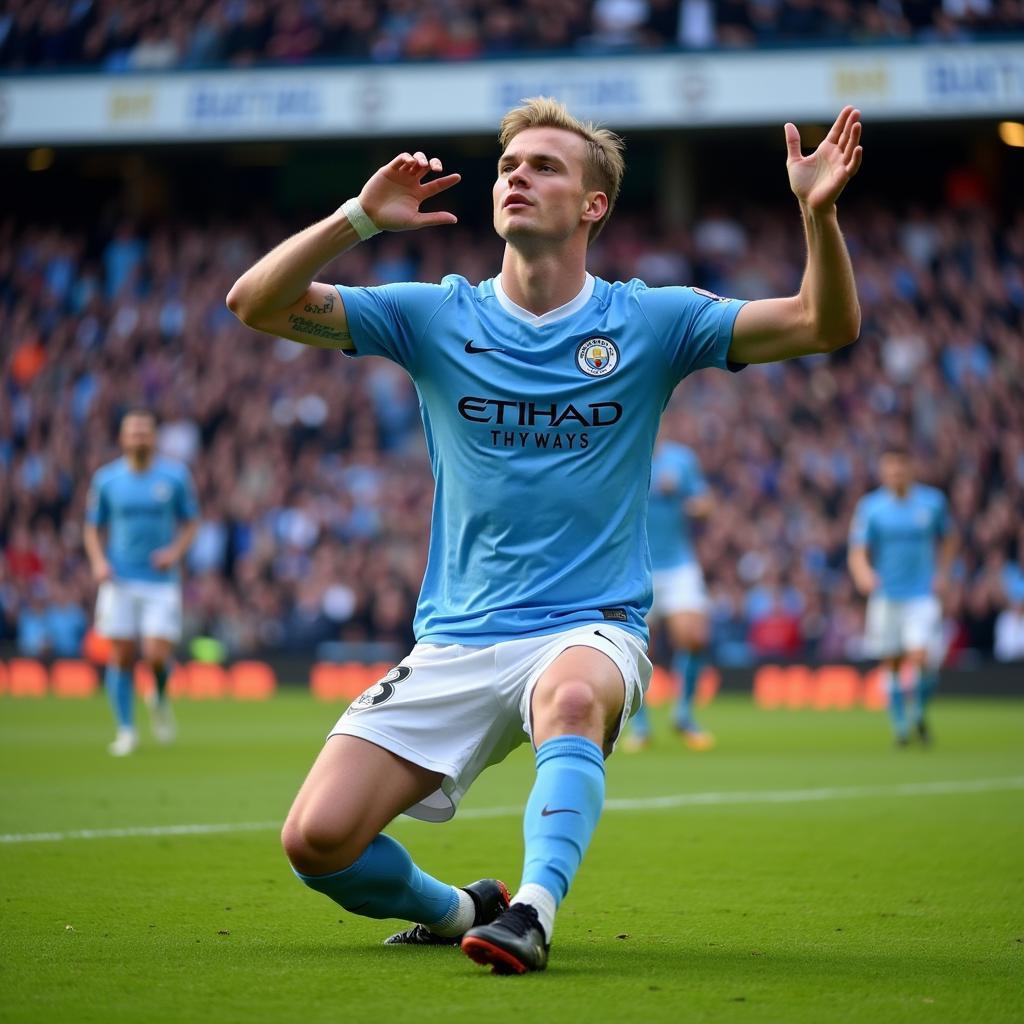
(575, 703)
(698, 638)
(691, 634)
(315, 847)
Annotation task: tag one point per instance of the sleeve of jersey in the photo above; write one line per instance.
(95, 506)
(390, 320)
(693, 326)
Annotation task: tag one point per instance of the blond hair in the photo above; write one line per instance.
(604, 163)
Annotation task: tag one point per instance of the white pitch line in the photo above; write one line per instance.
(653, 803)
(132, 832)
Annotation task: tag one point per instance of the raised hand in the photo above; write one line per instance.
(818, 179)
(393, 196)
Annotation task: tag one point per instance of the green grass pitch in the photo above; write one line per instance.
(828, 877)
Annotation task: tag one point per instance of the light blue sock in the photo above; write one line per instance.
(687, 665)
(384, 882)
(897, 712)
(120, 692)
(640, 723)
(562, 811)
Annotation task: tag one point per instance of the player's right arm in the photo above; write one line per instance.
(864, 576)
(858, 561)
(96, 515)
(278, 295)
(94, 550)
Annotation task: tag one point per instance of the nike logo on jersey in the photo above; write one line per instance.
(556, 810)
(474, 349)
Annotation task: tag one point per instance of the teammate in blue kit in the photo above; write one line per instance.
(541, 391)
(679, 494)
(901, 548)
(147, 506)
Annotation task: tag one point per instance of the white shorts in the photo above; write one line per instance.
(458, 709)
(895, 627)
(129, 609)
(680, 589)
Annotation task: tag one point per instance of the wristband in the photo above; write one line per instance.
(359, 219)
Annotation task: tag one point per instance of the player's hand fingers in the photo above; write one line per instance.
(432, 188)
(406, 164)
(852, 140)
(837, 129)
(421, 158)
(854, 165)
(433, 220)
(851, 129)
(435, 165)
(792, 141)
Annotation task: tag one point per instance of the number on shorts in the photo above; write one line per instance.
(382, 691)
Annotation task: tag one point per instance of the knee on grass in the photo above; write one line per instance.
(315, 848)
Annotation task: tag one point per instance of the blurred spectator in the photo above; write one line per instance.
(312, 469)
(152, 35)
(33, 629)
(1009, 642)
(66, 622)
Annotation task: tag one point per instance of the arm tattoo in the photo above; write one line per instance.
(303, 325)
(327, 307)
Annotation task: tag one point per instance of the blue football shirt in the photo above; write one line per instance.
(141, 512)
(901, 535)
(540, 432)
(675, 478)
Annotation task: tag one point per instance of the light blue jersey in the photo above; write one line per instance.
(141, 512)
(540, 432)
(675, 478)
(901, 535)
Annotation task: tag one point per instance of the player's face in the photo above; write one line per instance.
(539, 192)
(138, 436)
(894, 471)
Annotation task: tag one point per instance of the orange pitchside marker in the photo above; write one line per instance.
(828, 688)
(251, 680)
(71, 677)
(26, 677)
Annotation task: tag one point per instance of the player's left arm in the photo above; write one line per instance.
(170, 556)
(948, 546)
(700, 506)
(187, 511)
(825, 314)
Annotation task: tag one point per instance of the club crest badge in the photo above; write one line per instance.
(597, 357)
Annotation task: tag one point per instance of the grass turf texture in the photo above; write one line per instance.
(880, 908)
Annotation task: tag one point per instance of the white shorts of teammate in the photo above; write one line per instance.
(895, 627)
(130, 609)
(457, 709)
(680, 589)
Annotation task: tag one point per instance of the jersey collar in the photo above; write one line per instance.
(551, 316)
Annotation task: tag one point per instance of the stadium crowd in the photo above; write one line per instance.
(311, 469)
(162, 34)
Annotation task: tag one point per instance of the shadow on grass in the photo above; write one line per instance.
(630, 961)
